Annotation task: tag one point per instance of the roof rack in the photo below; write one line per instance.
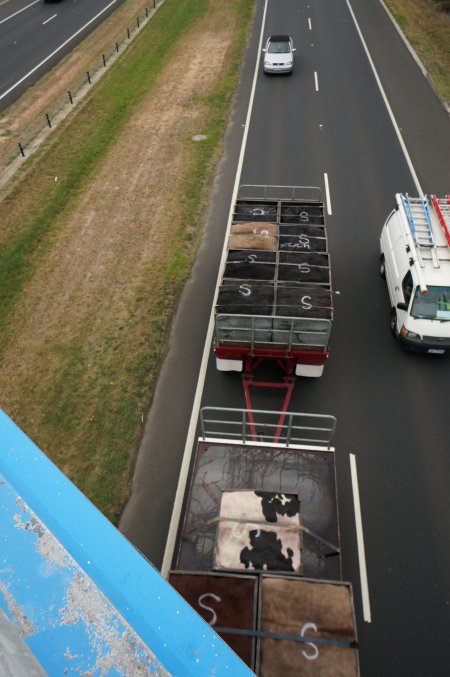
(419, 222)
(442, 209)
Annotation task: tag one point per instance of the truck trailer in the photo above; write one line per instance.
(258, 553)
(275, 296)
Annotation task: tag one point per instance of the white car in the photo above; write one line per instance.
(279, 54)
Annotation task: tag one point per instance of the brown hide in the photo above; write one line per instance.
(254, 235)
(287, 605)
(234, 604)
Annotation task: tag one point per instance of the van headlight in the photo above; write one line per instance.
(409, 334)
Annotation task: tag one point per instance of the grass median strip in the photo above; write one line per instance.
(99, 238)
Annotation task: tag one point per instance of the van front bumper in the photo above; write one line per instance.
(426, 344)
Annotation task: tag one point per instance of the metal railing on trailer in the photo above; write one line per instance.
(283, 333)
(264, 427)
(249, 191)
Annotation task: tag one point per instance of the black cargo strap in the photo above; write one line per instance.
(307, 639)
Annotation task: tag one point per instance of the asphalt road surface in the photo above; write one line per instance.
(35, 35)
(372, 134)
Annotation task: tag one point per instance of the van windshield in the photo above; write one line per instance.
(432, 306)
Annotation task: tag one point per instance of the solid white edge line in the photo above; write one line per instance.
(360, 539)
(189, 446)
(316, 81)
(55, 51)
(309, 24)
(11, 16)
(386, 102)
(327, 194)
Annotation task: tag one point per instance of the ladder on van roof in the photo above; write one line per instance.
(442, 209)
(419, 221)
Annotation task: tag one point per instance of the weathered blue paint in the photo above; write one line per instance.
(83, 599)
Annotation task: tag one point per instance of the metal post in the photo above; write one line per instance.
(117, 47)
(154, 4)
(89, 77)
(137, 22)
(202, 423)
(128, 33)
(104, 60)
(21, 149)
(70, 96)
(289, 430)
(146, 13)
(48, 119)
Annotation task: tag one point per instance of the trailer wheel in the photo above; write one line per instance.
(394, 322)
(382, 267)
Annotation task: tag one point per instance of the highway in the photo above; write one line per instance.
(35, 35)
(390, 405)
(359, 110)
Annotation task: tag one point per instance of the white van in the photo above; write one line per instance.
(415, 260)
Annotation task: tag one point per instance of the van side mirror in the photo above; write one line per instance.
(402, 306)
